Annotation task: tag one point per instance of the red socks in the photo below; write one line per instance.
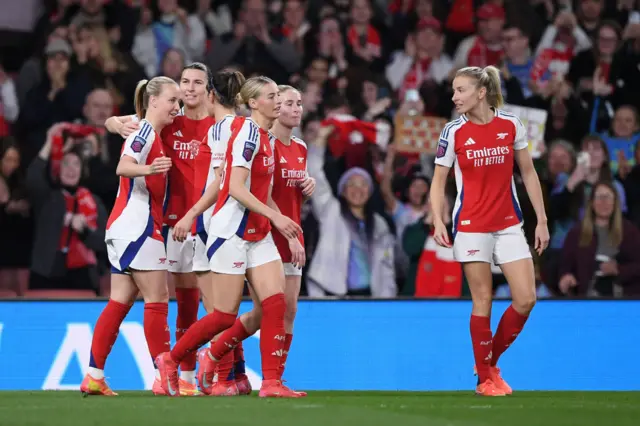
(228, 341)
(482, 345)
(188, 300)
(238, 359)
(287, 345)
(272, 336)
(106, 332)
(510, 326)
(200, 333)
(156, 330)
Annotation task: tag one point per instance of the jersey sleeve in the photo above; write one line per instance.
(520, 140)
(139, 143)
(445, 153)
(220, 135)
(245, 145)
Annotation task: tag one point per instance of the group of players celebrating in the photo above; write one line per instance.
(201, 189)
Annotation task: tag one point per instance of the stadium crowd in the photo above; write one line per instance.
(360, 64)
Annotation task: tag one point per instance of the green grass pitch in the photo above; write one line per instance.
(324, 409)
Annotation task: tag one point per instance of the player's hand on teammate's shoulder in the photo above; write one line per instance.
(286, 226)
(298, 256)
(128, 127)
(181, 229)
(160, 165)
(308, 186)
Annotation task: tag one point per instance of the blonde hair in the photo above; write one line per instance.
(147, 88)
(252, 88)
(588, 222)
(284, 88)
(489, 78)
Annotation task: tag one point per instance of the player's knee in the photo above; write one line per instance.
(157, 295)
(251, 320)
(482, 303)
(524, 303)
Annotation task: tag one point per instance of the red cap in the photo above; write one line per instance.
(490, 11)
(430, 22)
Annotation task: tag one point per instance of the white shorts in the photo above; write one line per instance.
(290, 270)
(498, 247)
(143, 255)
(179, 254)
(234, 255)
(200, 259)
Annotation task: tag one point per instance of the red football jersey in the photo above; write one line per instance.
(482, 157)
(291, 170)
(182, 142)
(252, 149)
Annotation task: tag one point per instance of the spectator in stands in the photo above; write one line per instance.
(15, 223)
(216, 22)
(58, 98)
(172, 64)
(173, 28)
(106, 66)
(294, 26)
(363, 39)
(70, 223)
(101, 164)
(9, 107)
(632, 187)
(254, 47)
(422, 59)
(354, 255)
(589, 13)
(601, 255)
(331, 45)
(485, 48)
(518, 63)
(621, 141)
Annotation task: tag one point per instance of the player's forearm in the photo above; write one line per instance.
(208, 199)
(131, 169)
(249, 201)
(534, 190)
(437, 194)
(113, 124)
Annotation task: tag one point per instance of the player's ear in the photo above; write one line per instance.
(253, 103)
(482, 92)
(153, 101)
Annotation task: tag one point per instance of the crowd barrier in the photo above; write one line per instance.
(386, 345)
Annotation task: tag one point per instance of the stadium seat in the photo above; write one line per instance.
(60, 294)
(7, 294)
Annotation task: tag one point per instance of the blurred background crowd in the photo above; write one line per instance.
(360, 65)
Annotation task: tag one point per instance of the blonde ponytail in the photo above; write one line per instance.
(138, 102)
(489, 78)
(145, 89)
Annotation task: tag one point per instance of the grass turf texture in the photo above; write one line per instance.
(324, 409)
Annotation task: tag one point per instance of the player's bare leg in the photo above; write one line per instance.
(520, 275)
(479, 277)
(123, 295)
(188, 301)
(268, 282)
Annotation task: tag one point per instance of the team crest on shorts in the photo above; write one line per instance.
(249, 148)
(442, 148)
(137, 144)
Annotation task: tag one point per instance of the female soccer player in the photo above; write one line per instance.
(133, 236)
(183, 144)
(223, 88)
(240, 243)
(290, 184)
(482, 145)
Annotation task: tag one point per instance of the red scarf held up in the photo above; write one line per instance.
(480, 55)
(438, 274)
(78, 255)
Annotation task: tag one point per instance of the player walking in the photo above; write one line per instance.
(183, 144)
(290, 184)
(133, 236)
(482, 145)
(240, 243)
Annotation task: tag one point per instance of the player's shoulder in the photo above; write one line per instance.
(141, 136)
(248, 125)
(449, 129)
(295, 139)
(510, 117)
